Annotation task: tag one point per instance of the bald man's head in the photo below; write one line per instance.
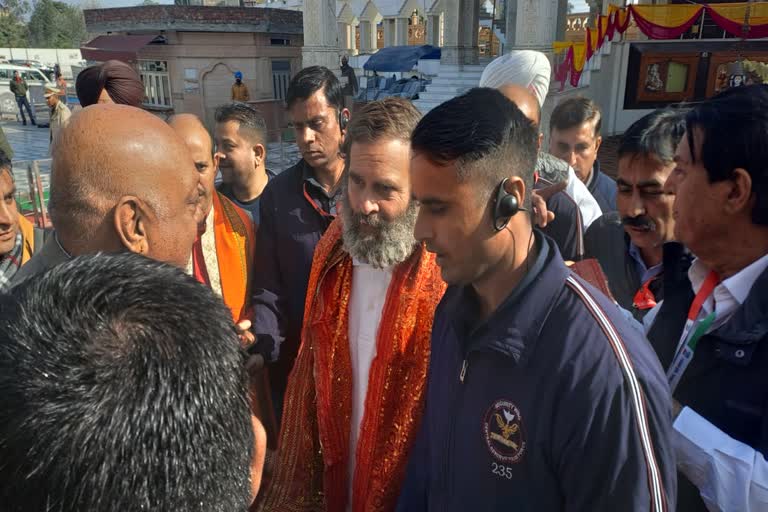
(122, 179)
(524, 99)
(198, 140)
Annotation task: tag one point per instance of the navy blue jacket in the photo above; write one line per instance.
(725, 381)
(554, 403)
(567, 228)
(603, 189)
(285, 243)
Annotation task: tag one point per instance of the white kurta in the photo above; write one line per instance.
(369, 292)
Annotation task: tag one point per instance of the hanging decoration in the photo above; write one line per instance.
(665, 21)
(730, 17)
(657, 22)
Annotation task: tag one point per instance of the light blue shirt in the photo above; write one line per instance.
(645, 273)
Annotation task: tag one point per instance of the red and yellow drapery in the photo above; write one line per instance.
(658, 22)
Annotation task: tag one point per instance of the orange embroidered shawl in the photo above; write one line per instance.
(313, 455)
(234, 234)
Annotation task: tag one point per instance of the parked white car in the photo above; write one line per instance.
(36, 80)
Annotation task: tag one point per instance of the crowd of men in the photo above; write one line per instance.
(423, 313)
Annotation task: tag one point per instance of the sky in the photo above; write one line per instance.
(579, 5)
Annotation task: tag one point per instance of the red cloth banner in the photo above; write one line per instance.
(659, 22)
(656, 31)
(730, 17)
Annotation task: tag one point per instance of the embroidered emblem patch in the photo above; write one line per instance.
(503, 432)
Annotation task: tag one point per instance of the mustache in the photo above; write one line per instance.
(373, 220)
(639, 222)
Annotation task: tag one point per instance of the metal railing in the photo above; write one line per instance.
(32, 179)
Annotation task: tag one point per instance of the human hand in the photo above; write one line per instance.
(541, 215)
(243, 329)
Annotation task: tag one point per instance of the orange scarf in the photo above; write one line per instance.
(234, 237)
(27, 239)
(312, 470)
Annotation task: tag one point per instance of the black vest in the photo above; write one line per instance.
(608, 242)
(725, 382)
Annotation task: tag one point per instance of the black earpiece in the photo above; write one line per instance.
(343, 120)
(506, 206)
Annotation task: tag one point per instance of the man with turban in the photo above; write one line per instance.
(532, 70)
(111, 82)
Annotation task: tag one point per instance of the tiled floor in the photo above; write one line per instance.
(28, 142)
(31, 143)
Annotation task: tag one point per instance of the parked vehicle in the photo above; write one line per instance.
(36, 64)
(36, 80)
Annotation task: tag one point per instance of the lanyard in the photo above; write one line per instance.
(644, 298)
(317, 208)
(691, 336)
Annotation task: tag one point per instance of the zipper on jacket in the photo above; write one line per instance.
(455, 407)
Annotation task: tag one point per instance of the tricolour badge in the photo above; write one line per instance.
(503, 431)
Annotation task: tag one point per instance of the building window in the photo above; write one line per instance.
(281, 76)
(279, 41)
(157, 83)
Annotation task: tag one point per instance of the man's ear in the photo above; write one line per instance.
(131, 224)
(216, 160)
(516, 186)
(598, 141)
(541, 140)
(259, 153)
(345, 114)
(740, 196)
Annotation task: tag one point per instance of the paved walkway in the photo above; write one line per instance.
(31, 143)
(28, 142)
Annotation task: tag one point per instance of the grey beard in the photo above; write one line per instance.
(391, 244)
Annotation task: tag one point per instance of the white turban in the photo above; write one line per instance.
(526, 68)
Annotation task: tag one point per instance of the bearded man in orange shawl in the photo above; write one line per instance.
(355, 396)
(222, 257)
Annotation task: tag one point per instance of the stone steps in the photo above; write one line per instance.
(449, 88)
(450, 82)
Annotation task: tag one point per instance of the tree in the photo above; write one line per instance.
(149, 2)
(56, 25)
(571, 7)
(13, 32)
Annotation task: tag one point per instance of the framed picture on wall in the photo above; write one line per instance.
(731, 69)
(667, 77)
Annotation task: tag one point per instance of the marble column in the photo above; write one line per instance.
(535, 24)
(343, 30)
(433, 29)
(347, 42)
(461, 27)
(321, 39)
(367, 36)
(388, 24)
(595, 9)
(562, 19)
(352, 39)
(401, 31)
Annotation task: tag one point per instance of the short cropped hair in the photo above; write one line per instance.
(312, 79)
(734, 134)
(387, 119)
(655, 135)
(484, 134)
(574, 112)
(122, 387)
(251, 121)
